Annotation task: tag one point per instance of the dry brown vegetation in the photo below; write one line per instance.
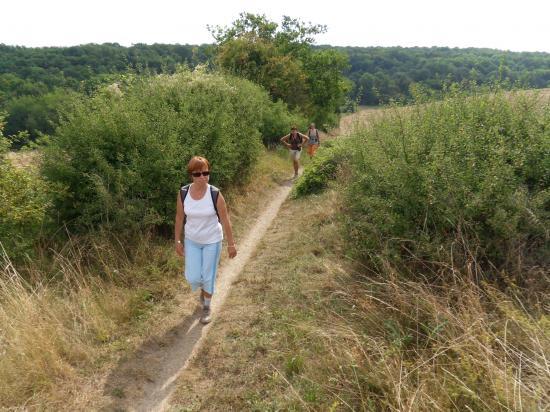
(307, 329)
(365, 114)
(66, 323)
(23, 159)
(304, 328)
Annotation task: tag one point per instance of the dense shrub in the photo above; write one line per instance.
(121, 155)
(461, 181)
(277, 121)
(323, 167)
(24, 201)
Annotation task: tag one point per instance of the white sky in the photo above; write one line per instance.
(501, 24)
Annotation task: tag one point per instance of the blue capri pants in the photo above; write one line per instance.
(201, 264)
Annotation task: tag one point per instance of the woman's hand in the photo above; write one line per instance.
(180, 249)
(232, 250)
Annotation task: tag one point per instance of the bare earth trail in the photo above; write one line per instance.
(146, 381)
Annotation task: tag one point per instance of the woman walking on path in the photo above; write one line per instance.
(294, 141)
(202, 213)
(314, 141)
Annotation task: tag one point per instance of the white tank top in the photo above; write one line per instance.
(202, 225)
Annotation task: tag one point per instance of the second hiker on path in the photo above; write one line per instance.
(294, 141)
(202, 214)
(314, 141)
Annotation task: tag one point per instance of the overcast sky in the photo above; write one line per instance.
(506, 25)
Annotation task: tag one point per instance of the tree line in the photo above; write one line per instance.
(282, 58)
(380, 74)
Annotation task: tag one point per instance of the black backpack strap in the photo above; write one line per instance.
(183, 194)
(214, 192)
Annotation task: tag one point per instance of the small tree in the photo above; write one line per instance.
(282, 60)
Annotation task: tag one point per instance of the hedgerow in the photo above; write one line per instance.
(464, 181)
(121, 155)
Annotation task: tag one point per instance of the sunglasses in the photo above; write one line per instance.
(198, 174)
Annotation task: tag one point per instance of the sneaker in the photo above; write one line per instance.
(205, 318)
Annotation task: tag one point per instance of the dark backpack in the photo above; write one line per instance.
(214, 192)
(295, 143)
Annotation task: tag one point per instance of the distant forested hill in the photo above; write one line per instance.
(32, 80)
(26, 70)
(381, 73)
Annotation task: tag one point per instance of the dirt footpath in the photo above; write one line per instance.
(146, 380)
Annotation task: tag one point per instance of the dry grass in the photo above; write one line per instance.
(349, 122)
(24, 159)
(68, 321)
(307, 329)
(366, 114)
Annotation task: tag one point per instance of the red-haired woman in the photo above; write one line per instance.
(202, 213)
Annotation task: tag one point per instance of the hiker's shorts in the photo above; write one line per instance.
(201, 264)
(295, 154)
(312, 148)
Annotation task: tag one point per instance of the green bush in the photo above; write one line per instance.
(120, 157)
(322, 168)
(24, 201)
(277, 121)
(463, 181)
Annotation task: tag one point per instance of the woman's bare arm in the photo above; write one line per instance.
(226, 224)
(178, 226)
(284, 140)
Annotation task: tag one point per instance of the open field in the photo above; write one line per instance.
(366, 114)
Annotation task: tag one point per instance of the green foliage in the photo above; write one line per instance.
(464, 180)
(282, 60)
(36, 115)
(4, 144)
(294, 366)
(328, 88)
(382, 74)
(35, 81)
(322, 168)
(23, 68)
(281, 57)
(24, 201)
(277, 121)
(120, 157)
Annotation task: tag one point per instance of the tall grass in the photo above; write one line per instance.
(70, 314)
(443, 304)
(402, 344)
(454, 191)
(57, 323)
(388, 338)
